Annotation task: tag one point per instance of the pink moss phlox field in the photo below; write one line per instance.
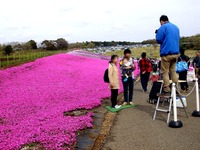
(35, 95)
(137, 69)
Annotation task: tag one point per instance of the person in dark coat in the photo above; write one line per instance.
(183, 74)
(196, 64)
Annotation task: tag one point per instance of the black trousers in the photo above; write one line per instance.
(144, 80)
(114, 94)
(183, 76)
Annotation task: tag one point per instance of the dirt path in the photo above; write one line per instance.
(94, 139)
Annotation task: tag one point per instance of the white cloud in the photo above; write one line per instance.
(79, 20)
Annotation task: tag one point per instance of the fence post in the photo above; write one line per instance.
(14, 57)
(28, 56)
(7, 60)
(0, 62)
(33, 55)
(19, 57)
(196, 113)
(24, 57)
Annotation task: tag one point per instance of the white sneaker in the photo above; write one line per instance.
(125, 103)
(117, 106)
(131, 103)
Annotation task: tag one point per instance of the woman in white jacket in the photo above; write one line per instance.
(113, 75)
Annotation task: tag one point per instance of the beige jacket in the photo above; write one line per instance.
(113, 76)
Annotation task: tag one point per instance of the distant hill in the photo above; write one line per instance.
(189, 43)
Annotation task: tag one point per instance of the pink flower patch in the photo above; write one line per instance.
(35, 95)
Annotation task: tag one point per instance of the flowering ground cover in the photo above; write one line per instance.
(34, 97)
(88, 54)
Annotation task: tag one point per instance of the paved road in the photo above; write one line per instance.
(134, 129)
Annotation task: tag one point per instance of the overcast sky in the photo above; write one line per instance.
(86, 20)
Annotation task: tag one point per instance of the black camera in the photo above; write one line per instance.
(156, 31)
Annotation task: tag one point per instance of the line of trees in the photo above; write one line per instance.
(20, 46)
(191, 42)
(15, 46)
(59, 44)
(82, 45)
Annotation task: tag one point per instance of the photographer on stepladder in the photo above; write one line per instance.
(168, 36)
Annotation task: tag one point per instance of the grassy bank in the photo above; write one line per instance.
(151, 52)
(21, 57)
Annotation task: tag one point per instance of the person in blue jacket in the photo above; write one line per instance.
(168, 36)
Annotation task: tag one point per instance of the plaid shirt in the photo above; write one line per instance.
(145, 65)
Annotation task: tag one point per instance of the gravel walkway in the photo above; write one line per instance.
(134, 129)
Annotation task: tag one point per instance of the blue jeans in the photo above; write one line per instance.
(128, 89)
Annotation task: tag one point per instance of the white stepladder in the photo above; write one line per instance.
(177, 123)
(172, 99)
(196, 113)
(168, 111)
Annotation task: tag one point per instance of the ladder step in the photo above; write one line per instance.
(163, 110)
(164, 95)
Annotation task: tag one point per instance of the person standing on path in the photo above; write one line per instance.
(113, 76)
(183, 74)
(168, 36)
(196, 64)
(128, 84)
(145, 70)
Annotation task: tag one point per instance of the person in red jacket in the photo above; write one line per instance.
(145, 70)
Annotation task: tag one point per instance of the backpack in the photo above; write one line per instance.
(181, 66)
(105, 77)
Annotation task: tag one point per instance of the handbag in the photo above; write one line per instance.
(181, 66)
